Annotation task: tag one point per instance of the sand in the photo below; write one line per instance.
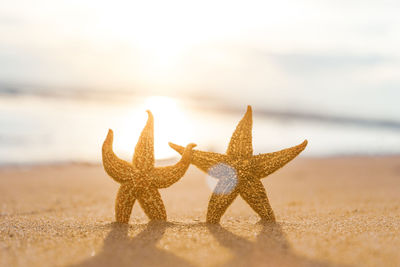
(341, 211)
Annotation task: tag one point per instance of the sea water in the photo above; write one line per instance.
(44, 129)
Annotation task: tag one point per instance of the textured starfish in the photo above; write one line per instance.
(141, 180)
(239, 172)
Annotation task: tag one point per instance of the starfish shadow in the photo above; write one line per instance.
(271, 248)
(121, 250)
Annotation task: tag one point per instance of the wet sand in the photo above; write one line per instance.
(341, 211)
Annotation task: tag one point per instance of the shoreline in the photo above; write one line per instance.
(161, 162)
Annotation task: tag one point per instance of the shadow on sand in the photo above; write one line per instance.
(121, 250)
(271, 247)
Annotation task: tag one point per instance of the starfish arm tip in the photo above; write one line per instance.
(304, 144)
(249, 112)
(176, 147)
(191, 145)
(188, 152)
(149, 114)
(109, 139)
(110, 133)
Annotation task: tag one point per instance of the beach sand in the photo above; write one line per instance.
(341, 211)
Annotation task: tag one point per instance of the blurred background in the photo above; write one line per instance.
(326, 71)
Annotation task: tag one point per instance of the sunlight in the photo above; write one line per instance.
(162, 106)
(170, 125)
(161, 42)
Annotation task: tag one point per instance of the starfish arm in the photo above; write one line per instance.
(152, 204)
(265, 164)
(253, 192)
(166, 176)
(118, 169)
(124, 203)
(143, 158)
(202, 160)
(241, 140)
(224, 194)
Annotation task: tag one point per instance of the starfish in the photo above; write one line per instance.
(239, 171)
(140, 179)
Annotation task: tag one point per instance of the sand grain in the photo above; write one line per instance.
(337, 211)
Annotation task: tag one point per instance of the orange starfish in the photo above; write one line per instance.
(141, 180)
(239, 172)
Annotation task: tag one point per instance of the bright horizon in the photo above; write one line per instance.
(188, 62)
(317, 55)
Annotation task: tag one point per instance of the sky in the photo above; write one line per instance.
(337, 57)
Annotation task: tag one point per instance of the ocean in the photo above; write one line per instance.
(44, 128)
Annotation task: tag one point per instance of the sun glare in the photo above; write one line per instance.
(161, 42)
(160, 105)
(170, 125)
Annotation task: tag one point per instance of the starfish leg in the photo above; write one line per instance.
(265, 164)
(143, 158)
(253, 192)
(202, 160)
(118, 169)
(152, 204)
(241, 140)
(124, 203)
(224, 194)
(166, 176)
